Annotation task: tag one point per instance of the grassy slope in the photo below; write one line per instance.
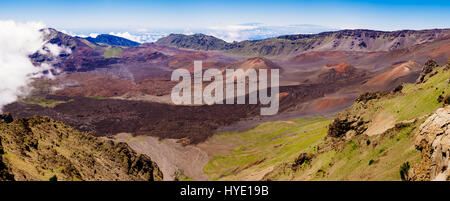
(419, 99)
(265, 146)
(112, 52)
(379, 160)
(39, 91)
(362, 158)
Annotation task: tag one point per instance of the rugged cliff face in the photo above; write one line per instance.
(433, 141)
(39, 148)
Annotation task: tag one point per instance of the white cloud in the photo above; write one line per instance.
(17, 42)
(229, 33)
(73, 34)
(127, 35)
(140, 37)
(93, 35)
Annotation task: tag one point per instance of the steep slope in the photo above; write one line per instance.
(401, 73)
(39, 148)
(382, 136)
(376, 138)
(344, 40)
(251, 154)
(82, 56)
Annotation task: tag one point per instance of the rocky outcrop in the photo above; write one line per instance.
(365, 97)
(433, 141)
(5, 174)
(347, 125)
(303, 158)
(6, 118)
(39, 148)
(447, 99)
(426, 70)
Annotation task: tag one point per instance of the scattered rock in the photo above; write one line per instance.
(341, 125)
(447, 99)
(303, 158)
(398, 89)
(440, 98)
(365, 97)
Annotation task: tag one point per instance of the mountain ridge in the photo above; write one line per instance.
(112, 40)
(356, 40)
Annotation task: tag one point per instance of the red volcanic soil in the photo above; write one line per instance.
(155, 86)
(254, 63)
(186, 60)
(404, 72)
(310, 57)
(330, 103)
(150, 57)
(442, 50)
(439, 50)
(103, 117)
(89, 84)
(342, 73)
(341, 67)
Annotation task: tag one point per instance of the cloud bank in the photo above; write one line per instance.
(140, 37)
(229, 33)
(17, 42)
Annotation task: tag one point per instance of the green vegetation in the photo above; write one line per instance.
(262, 148)
(404, 169)
(97, 97)
(417, 99)
(92, 45)
(269, 150)
(180, 176)
(354, 162)
(112, 52)
(54, 178)
(38, 95)
(44, 102)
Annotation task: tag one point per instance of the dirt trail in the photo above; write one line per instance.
(382, 122)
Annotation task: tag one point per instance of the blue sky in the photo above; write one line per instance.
(194, 16)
